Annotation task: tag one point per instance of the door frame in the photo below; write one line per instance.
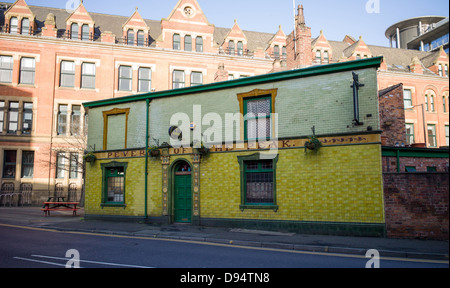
(171, 193)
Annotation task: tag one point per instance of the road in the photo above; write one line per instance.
(26, 247)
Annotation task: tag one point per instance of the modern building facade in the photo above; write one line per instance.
(426, 33)
(52, 61)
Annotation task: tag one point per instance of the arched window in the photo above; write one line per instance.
(25, 26)
(231, 47)
(130, 37)
(140, 38)
(276, 52)
(187, 43)
(326, 57)
(85, 33)
(199, 44)
(13, 24)
(176, 42)
(318, 57)
(74, 31)
(240, 48)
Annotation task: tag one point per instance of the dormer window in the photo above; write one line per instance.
(140, 38)
(25, 26)
(231, 47)
(85, 33)
(74, 31)
(326, 57)
(130, 37)
(276, 52)
(240, 48)
(13, 25)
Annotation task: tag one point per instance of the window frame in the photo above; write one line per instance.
(130, 37)
(148, 81)
(188, 43)
(410, 138)
(14, 29)
(62, 125)
(12, 110)
(27, 30)
(13, 165)
(105, 177)
(67, 73)
(29, 165)
(240, 48)
(176, 43)
(446, 130)
(85, 75)
(75, 128)
(122, 78)
(257, 118)
(77, 31)
(198, 44)
(25, 111)
(231, 47)
(60, 165)
(407, 100)
(432, 136)
(7, 70)
(73, 165)
(256, 93)
(183, 83)
(2, 115)
(24, 70)
(85, 35)
(192, 78)
(140, 38)
(242, 160)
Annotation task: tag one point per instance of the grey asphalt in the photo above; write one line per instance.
(64, 221)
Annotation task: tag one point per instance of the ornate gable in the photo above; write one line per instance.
(187, 28)
(136, 30)
(322, 51)
(80, 25)
(358, 50)
(277, 45)
(235, 41)
(19, 19)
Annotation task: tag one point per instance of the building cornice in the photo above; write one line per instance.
(130, 49)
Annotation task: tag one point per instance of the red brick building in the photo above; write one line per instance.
(52, 61)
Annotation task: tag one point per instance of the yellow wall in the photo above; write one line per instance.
(336, 184)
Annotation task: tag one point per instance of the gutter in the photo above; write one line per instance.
(146, 160)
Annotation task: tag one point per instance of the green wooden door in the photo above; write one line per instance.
(183, 199)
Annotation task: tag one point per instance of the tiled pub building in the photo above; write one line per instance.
(52, 61)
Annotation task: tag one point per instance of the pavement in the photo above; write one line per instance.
(64, 221)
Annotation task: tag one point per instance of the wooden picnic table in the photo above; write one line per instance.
(60, 206)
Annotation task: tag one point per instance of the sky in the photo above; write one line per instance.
(367, 18)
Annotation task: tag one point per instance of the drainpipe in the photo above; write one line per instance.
(146, 156)
(398, 160)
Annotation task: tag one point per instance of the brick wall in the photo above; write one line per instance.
(392, 115)
(416, 205)
(421, 164)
